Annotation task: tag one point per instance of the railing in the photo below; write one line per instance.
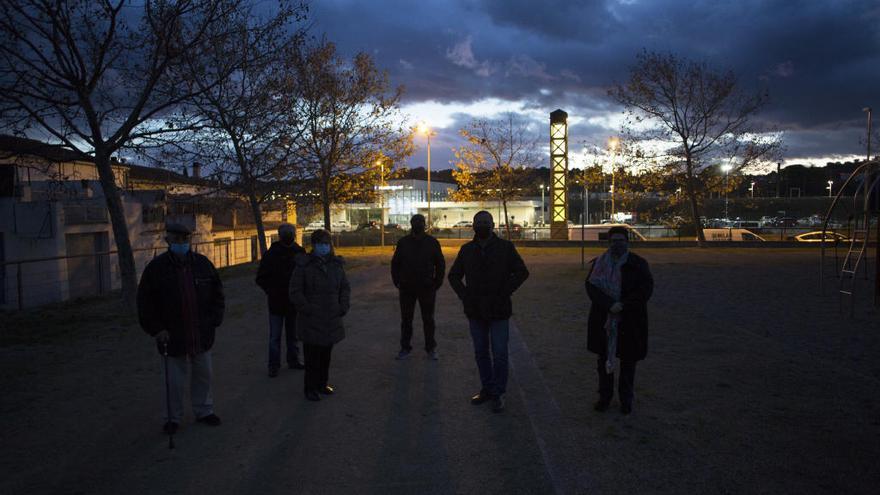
(38, 281)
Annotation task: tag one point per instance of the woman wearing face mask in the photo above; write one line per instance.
(619, 285)
(320, 292)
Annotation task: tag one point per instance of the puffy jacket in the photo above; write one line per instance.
(491, 275)
(636, 288)
(319, 289)
(159, 300)
(418, 264)
(274, 273)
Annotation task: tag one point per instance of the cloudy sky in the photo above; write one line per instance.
(465, 59)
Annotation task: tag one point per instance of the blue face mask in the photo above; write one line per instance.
(322, 249)
(179, 249)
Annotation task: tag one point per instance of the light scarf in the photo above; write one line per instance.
(606, 277)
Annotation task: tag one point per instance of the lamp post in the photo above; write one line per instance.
(424, 129)
(752, 189)
(830, 183)
(726, 169)
(382, 200)
(559, 175)
(614, 146)
(542, 204)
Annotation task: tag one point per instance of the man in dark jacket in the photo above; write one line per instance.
(492, 270)
(619, 285)
(273, 277)
(322, 295)
(417, 270)
(180, 302)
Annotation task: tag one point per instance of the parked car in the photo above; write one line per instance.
(516, 230)
(464, 224)
(317, 224)
(341, 226)
(785, 222)
(599, 232)
(731, 235)
(816, 236)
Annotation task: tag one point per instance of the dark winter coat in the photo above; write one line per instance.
(274, 273)
(637, 284)
(491, 276)
(159, 300)
(319, 289)
(418, 264)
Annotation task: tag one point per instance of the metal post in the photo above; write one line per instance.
(20, 288)
(429, 180)
(382, 201)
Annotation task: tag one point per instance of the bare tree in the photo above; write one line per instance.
(486, 167)
(246, 94)
(689, 117)
(100, 75)
(350, 115)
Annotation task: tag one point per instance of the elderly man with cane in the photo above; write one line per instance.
(180, 303)
(619, 285)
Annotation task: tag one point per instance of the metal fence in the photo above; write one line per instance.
(39, 281)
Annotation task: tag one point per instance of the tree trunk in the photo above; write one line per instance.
(325, 202)
(125, 256)
(695, 207)
(258, 219)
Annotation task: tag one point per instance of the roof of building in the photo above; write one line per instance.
(16, 145)
(164, 175)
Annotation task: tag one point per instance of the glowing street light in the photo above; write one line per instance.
(726, 169)
(752, 189)
(424, 129)
(559, 175)
(381, 165)
(614, 146)
(830, 183)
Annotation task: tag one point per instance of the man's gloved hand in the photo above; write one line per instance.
(616, 307)
(162, 336)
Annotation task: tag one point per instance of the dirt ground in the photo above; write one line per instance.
(753, 384)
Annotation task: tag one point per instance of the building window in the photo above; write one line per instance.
(153, 214)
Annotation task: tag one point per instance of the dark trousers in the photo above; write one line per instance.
(426, 299)
(491, 335)
(625, 384)
(317, 361)
(279, 324)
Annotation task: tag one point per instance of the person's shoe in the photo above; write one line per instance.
(170, 427)
(312, 396)
(434, 355)
(273, 372)
(626, 409)
(498, 404)
(327, 390)
(601, 405)
(210, 420)
(296, 365)
(403, 354)
(481, 397)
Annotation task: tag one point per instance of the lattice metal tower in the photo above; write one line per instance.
(559, 175)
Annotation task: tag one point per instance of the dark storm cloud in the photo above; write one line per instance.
(819, 60)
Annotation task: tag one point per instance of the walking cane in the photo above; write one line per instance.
(167, 395)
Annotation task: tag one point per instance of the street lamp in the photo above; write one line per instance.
(542, 204)
(424, 129)
(614, 146)
(726, 169)
(752, 189)
(830, 183)
(381, 165)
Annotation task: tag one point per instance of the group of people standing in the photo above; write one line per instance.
(181, 302)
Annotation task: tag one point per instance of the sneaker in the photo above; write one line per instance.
(481, 397)
(170, 427)
(403, 354)
(210, 420)
(498, 404)
(601, 405)
(327, 390)
(434, 355)
(312, 395)
(273, 372)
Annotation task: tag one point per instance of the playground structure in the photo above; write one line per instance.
(860, 226)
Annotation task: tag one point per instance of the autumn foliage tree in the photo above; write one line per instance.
(690, 117)
(489, 165)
